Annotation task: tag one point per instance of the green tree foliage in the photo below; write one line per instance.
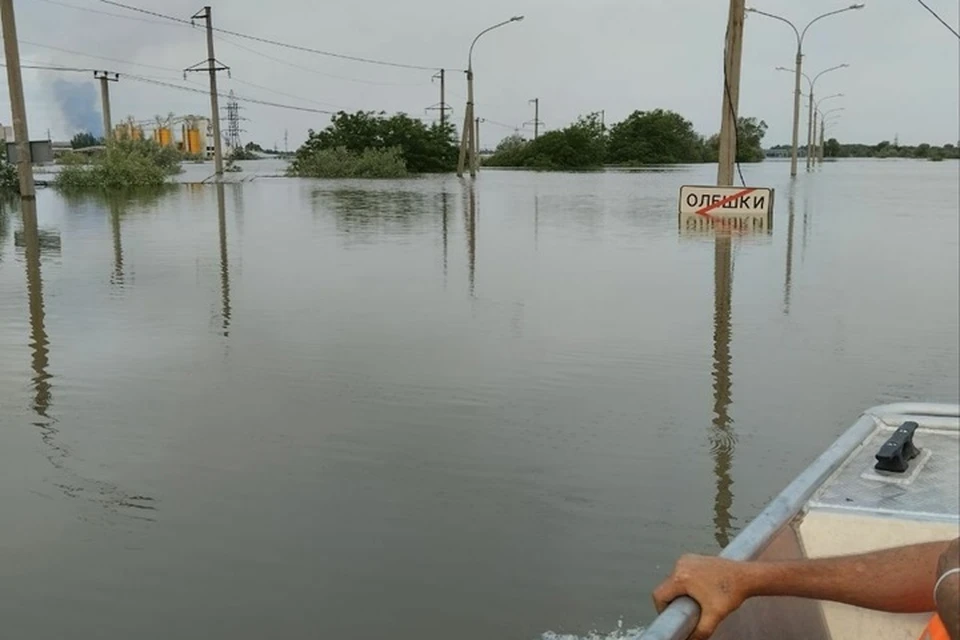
(424, 148)
(654, 137)
(581, 145)
(125, 164)
(750, 133)
(9, 179)
(85, 139)
(831, 148)
(343, 163)
(834, 149)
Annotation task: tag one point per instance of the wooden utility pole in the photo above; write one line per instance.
(18, 107)
(731, 93)
(106, 77)
(212, 67)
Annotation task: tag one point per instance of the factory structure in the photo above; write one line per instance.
(193, 135)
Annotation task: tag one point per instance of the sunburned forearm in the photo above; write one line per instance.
(896, 580)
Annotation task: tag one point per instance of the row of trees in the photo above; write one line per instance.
(372, 144)
(371, 141)
(643, 138)
(832, 148)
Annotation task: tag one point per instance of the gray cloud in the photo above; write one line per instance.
(616, 55)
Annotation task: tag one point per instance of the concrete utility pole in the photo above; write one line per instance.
(468, 142)
(212, 67)
(18, 107)
(798, 71)
(442, 105)
(731, 93)
(810, 125)
(466, 137)
(536, 118)
(476, 144)
(105, 77)
(820, 155)
(443, 97)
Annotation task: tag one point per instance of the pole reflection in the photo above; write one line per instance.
(470, 214)
(722, 436)
(225, 309)
(117, 278)
(444, 210)
(39, 342)
(788, 275)
(536, 222)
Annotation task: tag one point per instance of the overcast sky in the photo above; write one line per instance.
(576, 56)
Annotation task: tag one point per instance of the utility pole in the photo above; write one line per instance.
(810, 119)
(18, 107)
(476, 143)
(731, 93)
(212, 67)
(536, 118)
(106, 77)
(442, 105)
(286, 141)
(603, 119)
(443, 97)
(466, 139)
(822, 125)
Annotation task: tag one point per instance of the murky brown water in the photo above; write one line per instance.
(408, 410)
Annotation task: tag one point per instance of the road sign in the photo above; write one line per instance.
(726, 202)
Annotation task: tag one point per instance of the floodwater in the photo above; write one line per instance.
(413, 410)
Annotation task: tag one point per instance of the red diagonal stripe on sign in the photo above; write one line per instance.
(716, 205)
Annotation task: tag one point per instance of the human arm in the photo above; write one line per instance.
(948, 589)
(897, 580)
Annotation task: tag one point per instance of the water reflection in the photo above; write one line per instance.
(238, 208)
(444, 213)
(722, 436)
(4, 227)
(39, 342)
(117, 278)
(36, 244)
(363, 211)
(470, 224)
(788, 275)
(225, 309)
(536, 222)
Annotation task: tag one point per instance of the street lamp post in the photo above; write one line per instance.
(468, 142)
(815, 108)
(823, 126)
(811, 121)
(798, 71)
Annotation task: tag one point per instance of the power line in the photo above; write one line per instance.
(276, 43)
(942, 21)
(108, 13)
(90, 55)
(289, 95)
(163, 83)
(319, 73)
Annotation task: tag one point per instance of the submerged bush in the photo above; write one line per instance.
(341, 163)
(124, 164)
(9, 179)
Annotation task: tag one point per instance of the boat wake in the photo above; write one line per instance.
(620, 633)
